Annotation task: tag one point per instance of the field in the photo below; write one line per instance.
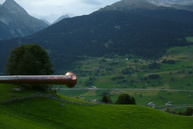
(159, 97)
(189, 39)
(48, 113)
(115, 75)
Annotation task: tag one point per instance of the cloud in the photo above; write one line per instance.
(50, 10)
(2, 1)
(92, 2)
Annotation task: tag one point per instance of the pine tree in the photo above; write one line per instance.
(105, 99)
(189, 111)
(133, 100)
(109, 99)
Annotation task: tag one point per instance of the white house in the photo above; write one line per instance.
(169, 103)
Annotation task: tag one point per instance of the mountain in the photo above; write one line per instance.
(150, 4)
(14, 8)
(47, 22)
(178, 4)
(183, 7)
(61, 18)
(16, 22)
(5, 32)
(145, 30)
(130, 4)
(171, 2)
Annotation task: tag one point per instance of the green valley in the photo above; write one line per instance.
(168, 79)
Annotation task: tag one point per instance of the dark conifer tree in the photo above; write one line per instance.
(105, 99)
(133, 100)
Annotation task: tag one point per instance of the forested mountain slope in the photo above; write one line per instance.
(143, 31)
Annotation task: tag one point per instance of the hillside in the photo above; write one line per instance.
(140, 31)
(16, 22)
(158, 81)
(40, 112)
(4, 31)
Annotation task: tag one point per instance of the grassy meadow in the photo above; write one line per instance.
(48, 113)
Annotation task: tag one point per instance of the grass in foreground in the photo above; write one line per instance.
(48, 113)
(45, 113)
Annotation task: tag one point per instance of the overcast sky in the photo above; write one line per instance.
(50, 10)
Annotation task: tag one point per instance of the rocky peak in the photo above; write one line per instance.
(14, 8)
(130, 4)
(16, 22)
(61, 18)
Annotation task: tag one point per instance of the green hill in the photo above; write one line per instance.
(41, 112)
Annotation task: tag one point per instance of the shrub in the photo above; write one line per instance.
(168, 61)
(126, 71)
(189, 111)
(154, 65)
(106, 99)
(125, 99)
(154, 76)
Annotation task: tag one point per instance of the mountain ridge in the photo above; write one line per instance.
(61, 18)
(14, 7)
(16, 22)
(178, 4)
(141, 32)
(171, 2)
(130, 4)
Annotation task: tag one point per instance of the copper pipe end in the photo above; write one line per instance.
(73, 81)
